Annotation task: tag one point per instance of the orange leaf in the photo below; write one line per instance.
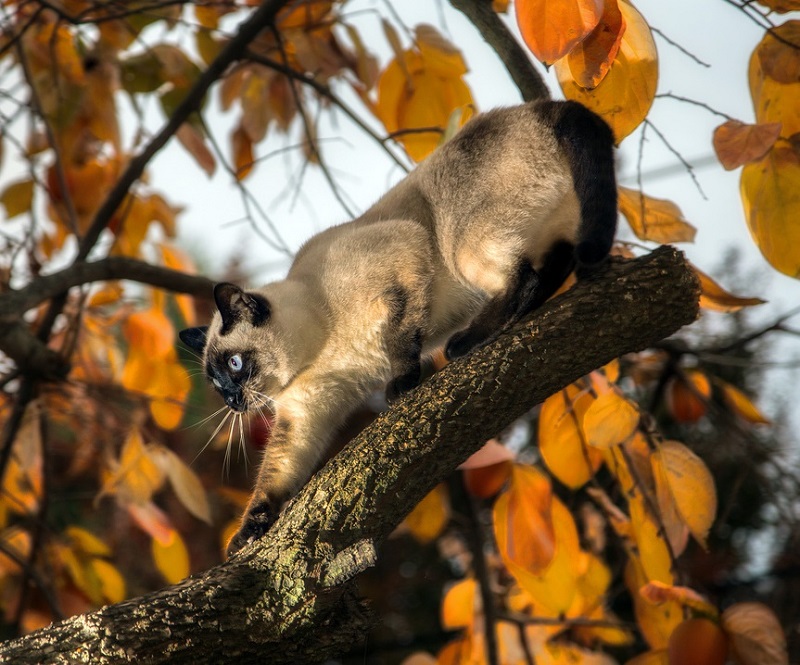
(691, 485)
(687, 396)
(737, 143)
(623, 98)
(151, 332)
(242, 148)
(553, 29)
(430, 516)
(657, 622)
(459, 605)
(151, 520)
(525, 511)
(655, 657)
(171, 557)
(610, 420)
(781, 6)
(756, 635)
(654, 219)
(561, 440)
(492, 452)
(741, 404)
(486, 481)
(714, 297)
(591, 60)
(191, 139)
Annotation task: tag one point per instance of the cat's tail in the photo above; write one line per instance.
(588, 143)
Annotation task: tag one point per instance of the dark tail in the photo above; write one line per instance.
(588, 143)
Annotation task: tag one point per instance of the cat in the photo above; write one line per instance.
(482, 232)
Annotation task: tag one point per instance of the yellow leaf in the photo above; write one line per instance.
(655, 657)
(714, 297)
(17, 198)
(430, 516)
(741, 404)
(553, 29)
(459, 605)
(657, 622)
(691, 485)
(187, 485)
(561, 440)
(86, 542)
(591, 60)
(770, 192)
(136, 475)
(418, 93)
(654, 555)
(171, 557)
(623, 98)
(610, 420)
(169, 386)
(112, 584)
(524, 511)
(654, 219)
(756, 635)
(23, 478)
(737, 143)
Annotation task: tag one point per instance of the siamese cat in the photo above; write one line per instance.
(479, 234)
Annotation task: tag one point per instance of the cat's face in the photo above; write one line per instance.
(241, 355)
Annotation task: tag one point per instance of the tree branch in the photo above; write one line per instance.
(514, 57)
(287, 598)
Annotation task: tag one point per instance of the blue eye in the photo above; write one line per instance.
(235, 363)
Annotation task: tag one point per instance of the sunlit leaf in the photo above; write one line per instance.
(459, 605)
(171, 557)
(87, 541)
(562, 443)
(430, 516)
(187, 485)
(653, 551)
(771, 195)
(150, 331)
(553, 29)
(691, 485)
(657, 593)
(623, 98)
(112, 584)
(777, 53)
(657, 622)
(610, 420)
(741, 404)
(714, 297)
(654, 219)
(591, 60)
(136, 476)
(17, 198)
(756, 635)
(737, 143)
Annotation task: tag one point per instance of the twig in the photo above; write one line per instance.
(707, 107)
(675, 44)
(687, 165)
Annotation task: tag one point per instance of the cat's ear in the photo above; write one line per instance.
(236, 305)
(195, 338)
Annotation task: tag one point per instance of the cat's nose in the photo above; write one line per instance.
(235, 401)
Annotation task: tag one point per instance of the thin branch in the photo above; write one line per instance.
(687, 165)
(675, 44)
(707, 107)
(527, 78)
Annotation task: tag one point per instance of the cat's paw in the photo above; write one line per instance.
(461, 343)
(255, 524)
(401, 385)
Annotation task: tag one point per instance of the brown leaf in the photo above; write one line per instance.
(193, 141)
(737, 143)
(756, 635)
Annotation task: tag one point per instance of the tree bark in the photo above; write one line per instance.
(289, 598)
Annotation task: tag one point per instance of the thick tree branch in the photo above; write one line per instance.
(496, 34)
(287, 599)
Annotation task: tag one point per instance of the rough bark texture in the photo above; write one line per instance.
(288, 598)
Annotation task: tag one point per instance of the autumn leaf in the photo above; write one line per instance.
(687, 479)
(781, 6)
(654, 657)
(657, 622)
(152, 520)
(418, 93)
(242, 149)
(562, 443)
(194, 142)
(171, 557)
(135, 476)
(654, 219)
(184, 481)
(623, 98)
(741, 404)
(657, 593)
(610, 420)
(687, 396)
(430, 515)
(553, 29)
(756, 635)
(714, 297)
(737, 143)
(590, 61)
(17, 198)
(770, 192)
(459, 605)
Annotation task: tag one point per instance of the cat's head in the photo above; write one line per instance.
(243, 353)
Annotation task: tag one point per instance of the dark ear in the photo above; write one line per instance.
(235, 305)
(194, 338)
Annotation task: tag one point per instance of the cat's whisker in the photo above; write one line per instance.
(214, 433)
(242, 444)
(227, 460)
(207, 418)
